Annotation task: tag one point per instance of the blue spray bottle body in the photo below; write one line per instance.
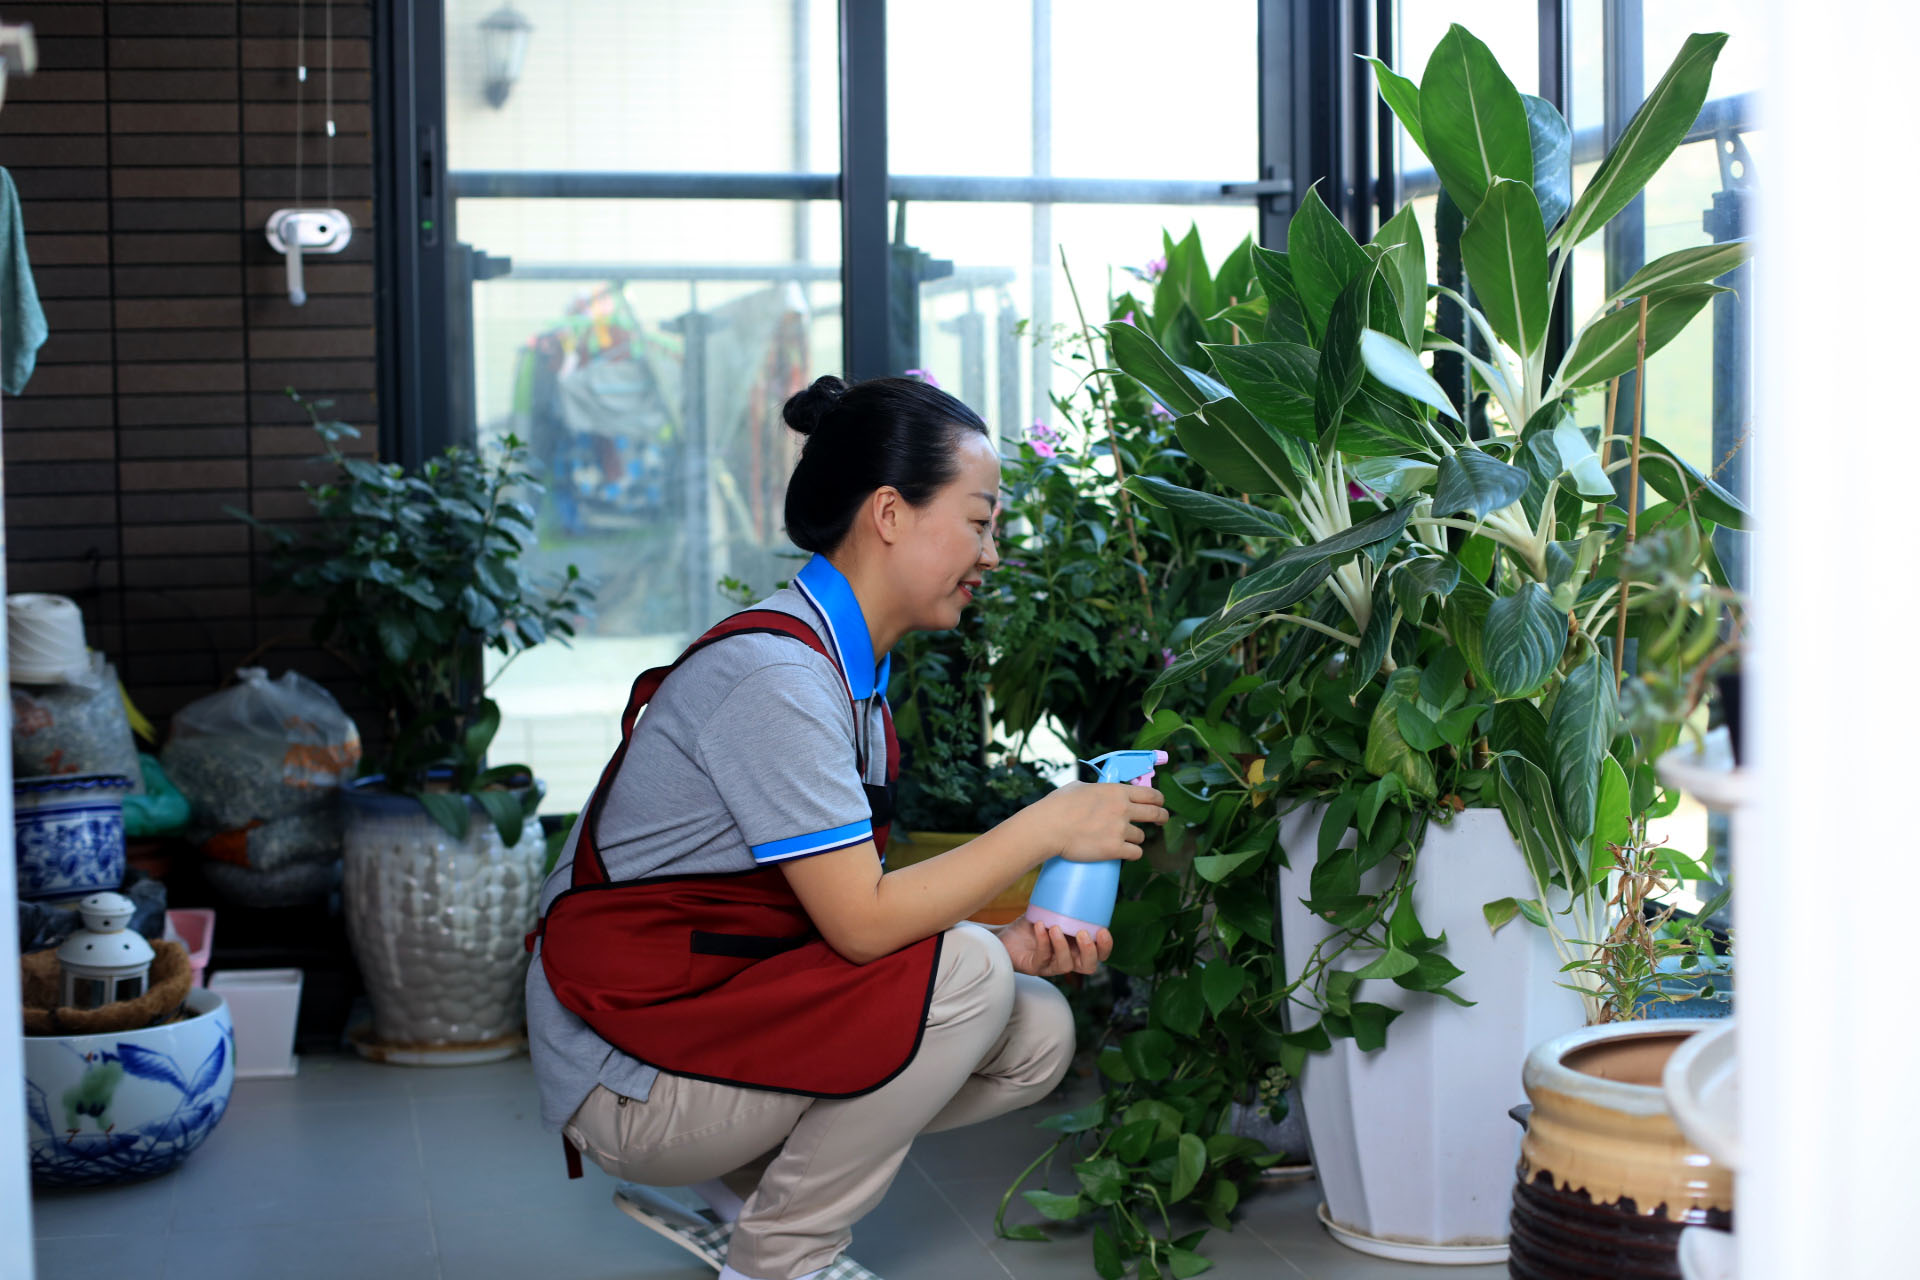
(1080, 896)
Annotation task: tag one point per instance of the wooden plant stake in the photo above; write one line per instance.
(1633, 493)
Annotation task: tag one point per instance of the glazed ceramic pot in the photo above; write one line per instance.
(1411, 1141)
(69, 834)
(1606, 1181)
(438, 925)
(907, 848)
(125, 1105)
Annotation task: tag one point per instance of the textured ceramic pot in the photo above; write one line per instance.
(69, 834)
(126, 1105)
(1606, 1180)
(438, 925)
(1411, 1142)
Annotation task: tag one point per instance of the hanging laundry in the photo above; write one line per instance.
(23, 326)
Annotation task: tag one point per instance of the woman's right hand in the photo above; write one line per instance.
(1100, 821)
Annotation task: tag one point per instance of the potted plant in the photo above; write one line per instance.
(1117, 527)
(1453, 597)
(417, 573)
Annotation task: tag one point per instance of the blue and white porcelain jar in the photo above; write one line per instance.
(69, 834)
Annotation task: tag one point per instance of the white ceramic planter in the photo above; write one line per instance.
(439, 927)
(1412, 1143)
(126, 1105)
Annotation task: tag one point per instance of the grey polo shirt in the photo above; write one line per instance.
(746, 756)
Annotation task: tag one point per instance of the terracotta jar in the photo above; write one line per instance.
(1606, 1181)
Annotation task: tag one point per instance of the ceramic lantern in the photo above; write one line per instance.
(103, 961)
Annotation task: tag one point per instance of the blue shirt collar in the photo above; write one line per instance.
(831, 595)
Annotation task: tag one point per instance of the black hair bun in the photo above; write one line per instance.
(805, 409)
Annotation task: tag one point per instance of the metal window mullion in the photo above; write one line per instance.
(1278, 104)
(1556, 86)
(863, 186)
(1625, 237)
(414, 372)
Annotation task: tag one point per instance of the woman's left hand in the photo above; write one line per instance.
(1048, 951)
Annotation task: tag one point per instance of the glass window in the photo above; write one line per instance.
(129, 988)
(993, 286)
(643, 345)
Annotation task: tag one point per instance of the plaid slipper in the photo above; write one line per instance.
(704, 1239)
(845, 1268)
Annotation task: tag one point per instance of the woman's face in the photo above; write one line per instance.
(952, 542)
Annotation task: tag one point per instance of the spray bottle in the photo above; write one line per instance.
(1077, 896)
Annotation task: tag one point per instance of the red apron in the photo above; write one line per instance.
(722, 977)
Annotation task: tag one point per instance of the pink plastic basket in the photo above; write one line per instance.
(194, 925)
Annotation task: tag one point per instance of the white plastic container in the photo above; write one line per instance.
(266, 1009)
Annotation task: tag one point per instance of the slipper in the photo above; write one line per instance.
(703, 1238)
(845, 1268)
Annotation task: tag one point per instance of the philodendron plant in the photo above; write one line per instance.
(1467, 593)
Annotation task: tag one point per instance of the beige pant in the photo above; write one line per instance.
(994, 1041)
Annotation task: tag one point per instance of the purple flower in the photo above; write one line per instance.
(925, 376)
(1127, 318)
(1359, 492)
(1166, 658)
(1042, 448)
(1160, 411)
(1041, 431)
(1156, 268)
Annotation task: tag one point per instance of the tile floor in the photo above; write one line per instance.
(391, 1173)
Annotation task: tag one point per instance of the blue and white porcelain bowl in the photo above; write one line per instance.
(126, 1105)
(69, 834)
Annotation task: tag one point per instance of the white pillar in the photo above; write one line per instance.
(1826, 887)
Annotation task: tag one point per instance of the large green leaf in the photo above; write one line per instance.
(1656, 129)
(1234, 282)
(1677, 480)
(1403, 259)
(1237, 449)
(1526, 801)
(1702, 264)
(1417, 578)
(1381, 423)
(1140, 357)
(1473, 118)
(1395, 479)
(1504, 250)
(1395, 364)
(1202, 655)
(1578, 732)
(1286, 316)
(1581, 464)
(1403, 95)
(1609, 346)
(1387, 751)
(506, 812)
(450, 811)
(1552, 144)
(1612, 819)
(1325, 258)
(1210, 511)
(1519, 727)
(1277, 587)
(1185, 279)
(1464, 615)
(1477, 483)
(1342, 369)
(1523, 639)
(1275, 380)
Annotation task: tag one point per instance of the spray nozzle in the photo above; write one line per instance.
(1127, 766)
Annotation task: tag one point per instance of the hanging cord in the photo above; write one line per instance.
(330, 129)
(299, 100)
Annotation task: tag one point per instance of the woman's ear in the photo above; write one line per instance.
(888, 511)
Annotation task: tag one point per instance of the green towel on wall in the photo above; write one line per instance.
(23, 326)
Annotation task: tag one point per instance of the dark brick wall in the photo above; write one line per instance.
(148, 152)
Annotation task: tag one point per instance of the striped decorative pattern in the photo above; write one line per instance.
(149, 151)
